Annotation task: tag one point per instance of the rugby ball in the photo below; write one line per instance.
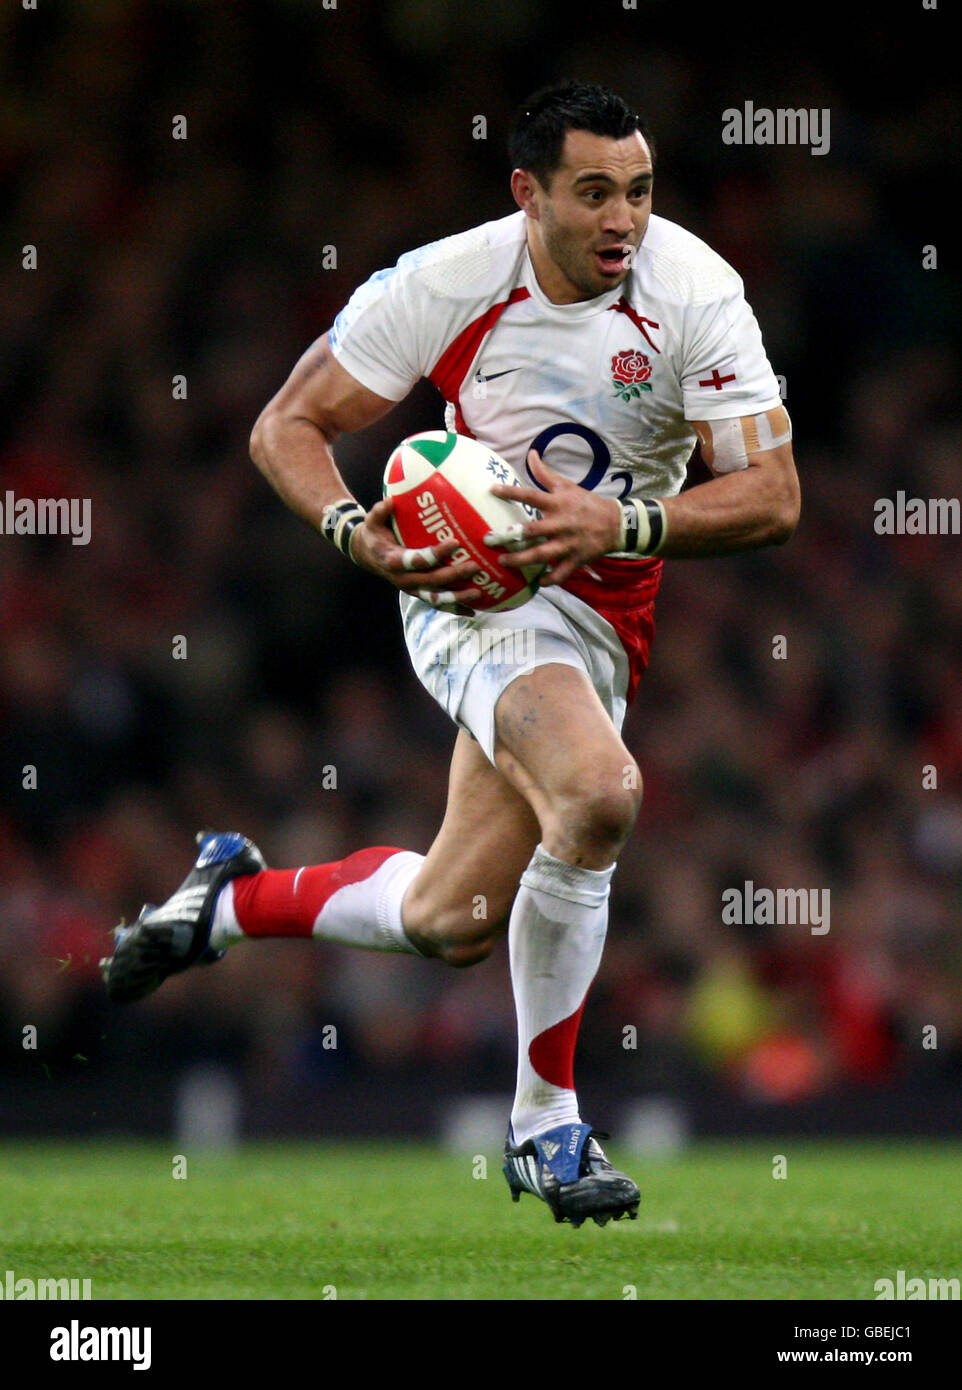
(440, 484)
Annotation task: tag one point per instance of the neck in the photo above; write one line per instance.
(553, 282)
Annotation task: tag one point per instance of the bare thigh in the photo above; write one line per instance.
(557, 746)
(563, 777)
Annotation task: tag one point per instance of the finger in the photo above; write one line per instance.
(406, 560)
(423, 559)
(534, 497)
(558, 573)
(446, 600)
(454, 577)
(459, 579)
(466, 596)
(545, 554)
(540, 470)
(535, 463)
(437, 598)
(512, 537)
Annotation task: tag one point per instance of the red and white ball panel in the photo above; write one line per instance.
(440, 484)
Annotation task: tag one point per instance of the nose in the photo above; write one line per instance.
(618, 218)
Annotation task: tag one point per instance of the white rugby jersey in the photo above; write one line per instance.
(604, 389)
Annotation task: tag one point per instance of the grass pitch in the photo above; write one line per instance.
(395, 1221)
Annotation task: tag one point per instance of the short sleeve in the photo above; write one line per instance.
(376, 335)
(725, 371)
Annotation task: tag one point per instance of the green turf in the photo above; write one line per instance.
(400, 1222)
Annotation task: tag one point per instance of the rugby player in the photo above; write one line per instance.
(590, 343)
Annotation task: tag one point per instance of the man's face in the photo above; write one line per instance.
(586, 226)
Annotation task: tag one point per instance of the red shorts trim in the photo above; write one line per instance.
(623, 593)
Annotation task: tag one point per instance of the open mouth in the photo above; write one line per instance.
(613, 258)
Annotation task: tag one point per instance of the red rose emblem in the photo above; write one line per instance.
(630, 366)
(630, 371)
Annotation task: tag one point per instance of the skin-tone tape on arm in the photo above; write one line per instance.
(726, 444)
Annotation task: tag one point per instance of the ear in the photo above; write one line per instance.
(524, 189)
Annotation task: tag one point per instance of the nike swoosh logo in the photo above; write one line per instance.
(494, 375)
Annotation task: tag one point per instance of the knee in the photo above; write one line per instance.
(596, 819)
(607, 815)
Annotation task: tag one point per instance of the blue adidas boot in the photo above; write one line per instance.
(567, 1168)
(165, 940)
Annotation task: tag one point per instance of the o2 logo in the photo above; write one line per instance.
(600, 457)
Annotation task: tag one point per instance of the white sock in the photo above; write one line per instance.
(356, 901)
(555, 939)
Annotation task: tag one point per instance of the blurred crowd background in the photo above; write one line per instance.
(353, 128)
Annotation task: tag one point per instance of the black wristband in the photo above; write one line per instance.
(641, 534)
(339, 521)
(656, 520)
(629, 510)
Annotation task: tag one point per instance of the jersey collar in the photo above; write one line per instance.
(567, 313)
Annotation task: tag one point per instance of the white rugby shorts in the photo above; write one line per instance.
(466, 663)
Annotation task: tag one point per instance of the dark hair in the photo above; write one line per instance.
(538, 131)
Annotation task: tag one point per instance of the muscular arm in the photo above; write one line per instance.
(291, 445)
(291, 440)
(754, 506)
(744, 510)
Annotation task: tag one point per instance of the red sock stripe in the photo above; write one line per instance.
(267, 905)
(552, 1053)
